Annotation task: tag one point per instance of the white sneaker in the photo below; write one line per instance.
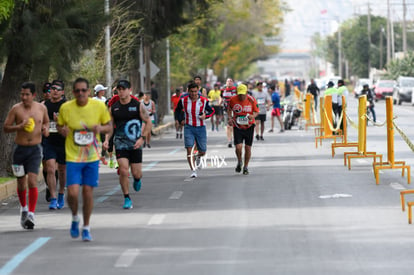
(194, 174)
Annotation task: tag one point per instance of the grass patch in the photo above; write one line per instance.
(3, 180)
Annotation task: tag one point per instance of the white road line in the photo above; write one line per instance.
(156, 219)
(176, 195)
(127, 257)
(397, 186)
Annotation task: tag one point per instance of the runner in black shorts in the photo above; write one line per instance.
(242, 110)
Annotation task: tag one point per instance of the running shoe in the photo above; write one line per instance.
(116, 164)
(86, 235)
(238, 167)
(137, 185)
(60, 201)
(230, 145)
(177, 135)
(193, 174)
(281, 130)
(53, 204)
(30, 221)
(245, 171)
(127, 203)
(47, 195)
(74, 229)
(261, 138)
(148, 145)
(111, 163)
(181, 135)
(23, 218)
(270, 131)
(257, 137)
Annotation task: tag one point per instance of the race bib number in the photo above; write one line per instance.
(133, 129)
(242, 120)
(18, 170)
(261, 101)
(52, 127)
(83, 137)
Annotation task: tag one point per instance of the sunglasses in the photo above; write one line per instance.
(80, 90)
(56, 88)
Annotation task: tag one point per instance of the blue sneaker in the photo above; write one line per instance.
(74, 229)
(60, 201)
(86, 235)
(127, 203)
(53, 204)
(137, 185)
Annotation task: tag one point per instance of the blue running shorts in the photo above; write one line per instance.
(82, 173)
(197, 134)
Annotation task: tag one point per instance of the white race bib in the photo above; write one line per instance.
(18, 170)
(242, 120)
(52, 127)
(261, 101)
(83, 137)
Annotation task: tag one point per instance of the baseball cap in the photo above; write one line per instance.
(58, 83)
(99, 87)
(241, 89)
(46, 87)
(124, 84)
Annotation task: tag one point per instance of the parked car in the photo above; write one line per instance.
(359, 85)
(383, 88)
(403, 89)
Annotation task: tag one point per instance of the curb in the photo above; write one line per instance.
(9, 188)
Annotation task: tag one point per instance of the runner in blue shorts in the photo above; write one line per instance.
(81, 121)
(196, 110)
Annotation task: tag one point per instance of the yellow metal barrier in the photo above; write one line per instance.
(362, 136)
(391, 163)
(326, 122)
(345, 142)
(308, 106)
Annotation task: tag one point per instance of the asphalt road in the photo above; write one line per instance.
(300, 211)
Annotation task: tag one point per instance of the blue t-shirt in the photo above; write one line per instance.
(276, 100)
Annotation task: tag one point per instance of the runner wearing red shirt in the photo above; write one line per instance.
(175, 98)
(242, 111)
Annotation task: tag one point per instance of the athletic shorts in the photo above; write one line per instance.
(28, 156)
(245, 135)
(180, 116)
(197, 134)
(134, 156)
(218, 110)
(276, 112)
(82, 173)
(261, 117)
(51, 151)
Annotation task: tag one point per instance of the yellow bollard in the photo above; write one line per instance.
(345, 142)
(362, 136)
(391, 163)
(326, 121)
(309, 98)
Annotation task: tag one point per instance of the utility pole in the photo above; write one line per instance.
(381, 48)
(108, 69)
(404, 28)
(369, 39)
(388, 33)
(168, 77)
(339, 52)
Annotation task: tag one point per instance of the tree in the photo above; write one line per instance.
(42, 36)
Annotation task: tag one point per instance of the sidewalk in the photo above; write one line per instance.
(9, 189)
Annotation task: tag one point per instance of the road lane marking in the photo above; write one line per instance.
(149, 166)
(156, 219)
(176, 195)
(174, 151)
(22, 255)
(127, 257)
(397, 186)
(335, 196)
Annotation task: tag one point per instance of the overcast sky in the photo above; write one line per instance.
(310, 16)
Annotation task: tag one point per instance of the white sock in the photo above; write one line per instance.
(75, 218)
(24, 209)
(88, 228)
